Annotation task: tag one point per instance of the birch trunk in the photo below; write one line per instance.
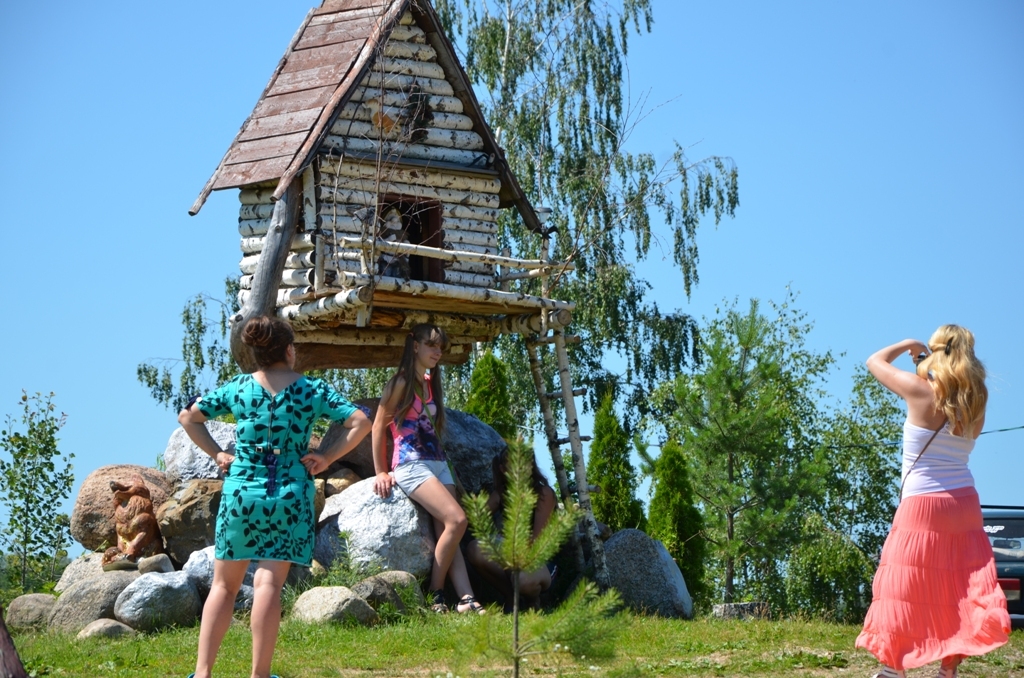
(432, 178)
(393, 150)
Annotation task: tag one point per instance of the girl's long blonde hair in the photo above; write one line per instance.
(958, 377)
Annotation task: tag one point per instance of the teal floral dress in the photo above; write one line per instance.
(266, 509)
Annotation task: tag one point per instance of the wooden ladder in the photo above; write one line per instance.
(534, 346)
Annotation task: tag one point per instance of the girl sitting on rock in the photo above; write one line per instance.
(412, 405)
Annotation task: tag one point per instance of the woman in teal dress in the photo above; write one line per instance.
(266, 508)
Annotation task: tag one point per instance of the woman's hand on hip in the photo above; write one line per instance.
(315, 463)
(382, 484)
(224, 460)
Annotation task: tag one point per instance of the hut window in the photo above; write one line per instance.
(416, 222)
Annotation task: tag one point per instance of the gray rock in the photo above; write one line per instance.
(31, 611)
(88, 600)
(333, 604)
(188, 518)
(469, 443)
(184, 461)
(377, 591)
(741, 611)
(403, 580)
(392, 533)
(332, 507)
(105, 628)
(646, 576)
(199, 568)
(157, 600)
(83, 567)
(161, 562)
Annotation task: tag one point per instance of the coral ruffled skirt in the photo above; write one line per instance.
(935, 593)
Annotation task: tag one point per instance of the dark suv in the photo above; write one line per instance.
(1005, 528)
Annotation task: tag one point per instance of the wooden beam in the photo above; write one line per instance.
(437, 253)
(368, 150)
(425, 289)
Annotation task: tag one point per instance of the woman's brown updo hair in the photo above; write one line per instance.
(269, 339)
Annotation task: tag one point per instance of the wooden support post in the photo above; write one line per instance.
(551, 432)
(267, 278)
(576, 445)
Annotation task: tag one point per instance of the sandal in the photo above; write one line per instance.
(469, 604)
(437, 601)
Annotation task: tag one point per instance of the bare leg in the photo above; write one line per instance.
(449, 524)
(266, 613)
(489, 570)
(220, 604)
(532, 584)
(949, 666)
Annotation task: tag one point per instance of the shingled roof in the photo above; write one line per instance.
(327, 59)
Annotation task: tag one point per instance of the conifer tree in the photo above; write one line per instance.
(489, 399)
(675, 519)
(609, 467)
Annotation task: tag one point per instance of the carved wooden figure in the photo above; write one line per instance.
(138, 534)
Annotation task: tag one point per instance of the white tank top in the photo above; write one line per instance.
(942, 467)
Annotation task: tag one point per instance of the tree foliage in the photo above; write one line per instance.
(673, 515)
(489, 399)
(862, 444)
(582, 619)
(551, 76)
(609, 467)
(748, 418)
(34, 479)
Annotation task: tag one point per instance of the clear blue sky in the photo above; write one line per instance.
(879, 147)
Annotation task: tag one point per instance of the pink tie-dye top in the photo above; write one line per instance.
(415, 437)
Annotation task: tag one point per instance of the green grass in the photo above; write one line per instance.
(434, 645)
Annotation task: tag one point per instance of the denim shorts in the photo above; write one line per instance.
(412, 474)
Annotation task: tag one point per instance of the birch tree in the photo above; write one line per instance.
(551, 76)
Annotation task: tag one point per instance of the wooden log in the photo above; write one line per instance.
(298, 277)
(309, 183)
(258, 195)
(454, 237)
(443, 195)
(303, 261)
(321, 357)
(533, 323)
(403, 83)
(398, 49)
(431, 136)
(444, 255)
(471, 267)
(249, 228)
(369, 113)
(255, 212)
(267, 278)
(442, 291)
(416, 69)
(551, 433)
(537, 272)
(470, 225)
(388, 97)
(436, 179)
(344, 300)
(468, 279)
(285, 296)
(368, 337)
(360, 198)
(579, 465)
(409, 34)
(398, 151)
(477, 249)
(300, 243)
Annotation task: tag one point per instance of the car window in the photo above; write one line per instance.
(1007, 538)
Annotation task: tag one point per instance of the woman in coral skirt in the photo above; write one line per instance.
(936, 597)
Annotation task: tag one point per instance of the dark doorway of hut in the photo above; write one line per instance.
(416, 222)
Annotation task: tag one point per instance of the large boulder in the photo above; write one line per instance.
(392, 533)
(157, 600)
(199, 569)
(469, 444)
(30, 611)
(332, 604)
(646, 576)
(184, 461)
(88, 600)
(161, 562)
(188, 519)
(83, 567)
(92, 521)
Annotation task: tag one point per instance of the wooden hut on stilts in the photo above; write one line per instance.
(370, 190)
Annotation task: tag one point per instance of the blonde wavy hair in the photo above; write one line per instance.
(958, 377)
